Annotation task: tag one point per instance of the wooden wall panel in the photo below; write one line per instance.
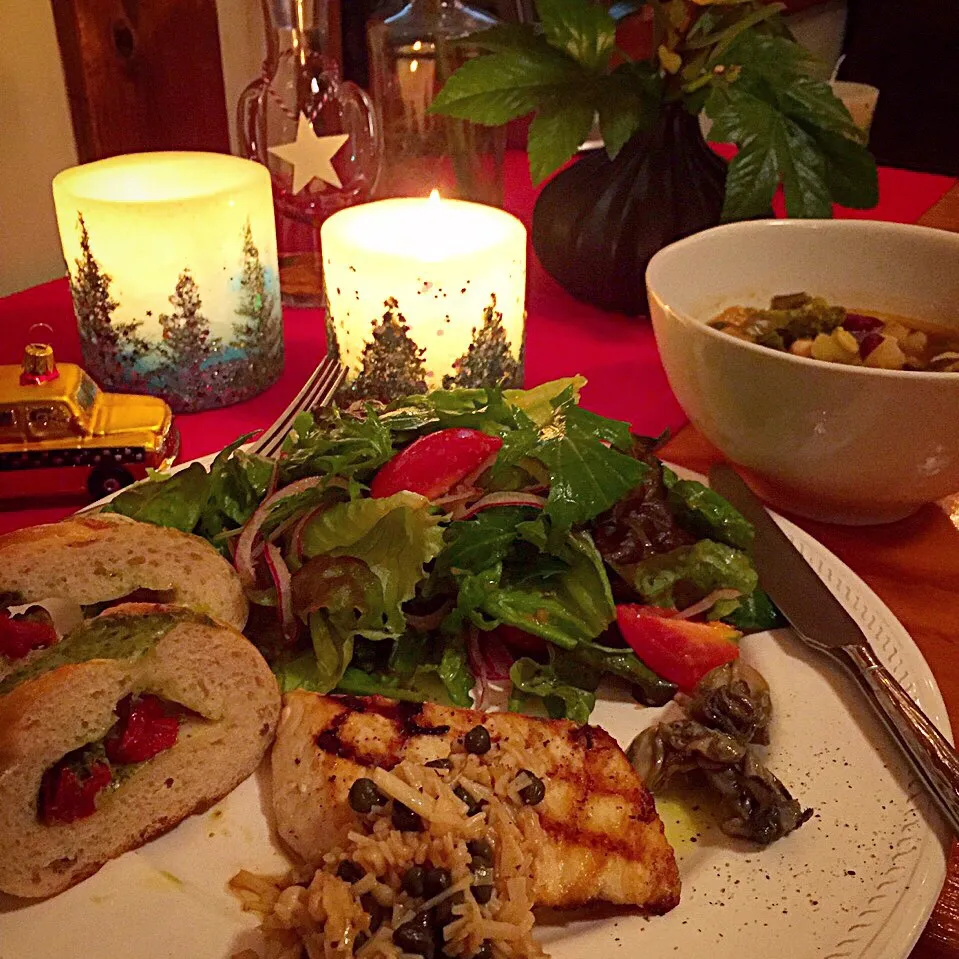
(142, 75)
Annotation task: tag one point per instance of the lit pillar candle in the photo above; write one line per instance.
(424, 294)
(173, 270)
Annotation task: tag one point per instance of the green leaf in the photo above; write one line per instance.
(426, 686)
(395, 536)
(586, 476)
(850, 172)
(756, 611)
(706, 513)
(581, 29)
(537, 403)
(332, 649)
(629, 100)
(499, 87)
(483, 541)
(562, 700)
(701, 568)
(238, 482)
(556, 133)
(176, 500)
(455, 672)
(576, 664)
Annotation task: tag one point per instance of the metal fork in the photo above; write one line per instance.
(317, 392)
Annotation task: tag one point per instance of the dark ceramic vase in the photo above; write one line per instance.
(597, 224)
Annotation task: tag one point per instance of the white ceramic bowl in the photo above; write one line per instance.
(837, 443)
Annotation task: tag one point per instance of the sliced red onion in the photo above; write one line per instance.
(280, 573)
(471, 478)
(707, 602)
(458, 496)
(498, 658)
(477, 667)
(296, 540)
(424, 624)
(505, 498)
(243, 557)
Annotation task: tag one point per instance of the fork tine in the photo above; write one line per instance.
(317, 392)
(313, 387)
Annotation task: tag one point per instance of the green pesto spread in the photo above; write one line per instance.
(108, 637)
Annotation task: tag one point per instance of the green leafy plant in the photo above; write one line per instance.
(734, 59)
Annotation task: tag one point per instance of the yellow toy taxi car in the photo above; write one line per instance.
(60, 433)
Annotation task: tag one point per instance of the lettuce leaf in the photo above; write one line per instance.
(754, 612)
(561, 700)
(176, 500)
(700, 569)
(395, 536)
(705, 513)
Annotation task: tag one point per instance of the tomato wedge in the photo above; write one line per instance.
(433, 464)
(676, 649)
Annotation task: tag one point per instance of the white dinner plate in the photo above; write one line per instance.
(859, 879)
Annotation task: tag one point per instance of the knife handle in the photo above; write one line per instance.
(936, 761)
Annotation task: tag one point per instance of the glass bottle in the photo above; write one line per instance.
(299, 80)
(411, 57)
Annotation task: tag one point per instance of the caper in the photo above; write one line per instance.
(405, 819)
(444, 764)
(416, 937)
(350, 871)
(413, 881)
(477, 741)
(482, 894)
(364, 795)
(473, 806)
(534, 791)
(485, 951)
(481, 851)
(443, 913)
(436, 881)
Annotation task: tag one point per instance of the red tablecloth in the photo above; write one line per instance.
(564, 337)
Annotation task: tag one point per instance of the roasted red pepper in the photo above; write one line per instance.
(143, 730)
(435, 463)
(68, 794)
(21, 635)
(677, 649)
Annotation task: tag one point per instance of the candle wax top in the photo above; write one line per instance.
(424, 229)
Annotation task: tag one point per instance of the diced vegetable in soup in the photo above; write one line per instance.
(809, 326)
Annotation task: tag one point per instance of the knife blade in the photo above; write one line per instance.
(821, 620)
(802, 597)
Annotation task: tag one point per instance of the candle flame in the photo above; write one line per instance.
(434, 198)
(414, 65)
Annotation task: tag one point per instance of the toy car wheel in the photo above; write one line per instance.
(105, 480)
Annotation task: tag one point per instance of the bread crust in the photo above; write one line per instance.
(209, 668)
(103, 557)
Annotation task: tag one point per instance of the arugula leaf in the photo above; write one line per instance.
(454, 671)
(395, 536)
(499, 87)
(483, 541)
(426, 686)
(562, 700)
(701, 568)
(586, 476)
(336, 444)
(582, 30)
(176, 500)
(706, 513)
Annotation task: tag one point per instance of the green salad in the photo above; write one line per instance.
(452, 541)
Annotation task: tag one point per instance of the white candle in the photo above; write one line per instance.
(173, 269)
(425, 293)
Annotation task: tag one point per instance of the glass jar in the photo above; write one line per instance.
(300, 86)
(411, 57)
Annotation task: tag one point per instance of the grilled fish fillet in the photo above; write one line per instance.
(603, 837)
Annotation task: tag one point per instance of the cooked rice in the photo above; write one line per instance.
(313, 913)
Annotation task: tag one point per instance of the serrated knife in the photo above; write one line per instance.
(822, 622)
